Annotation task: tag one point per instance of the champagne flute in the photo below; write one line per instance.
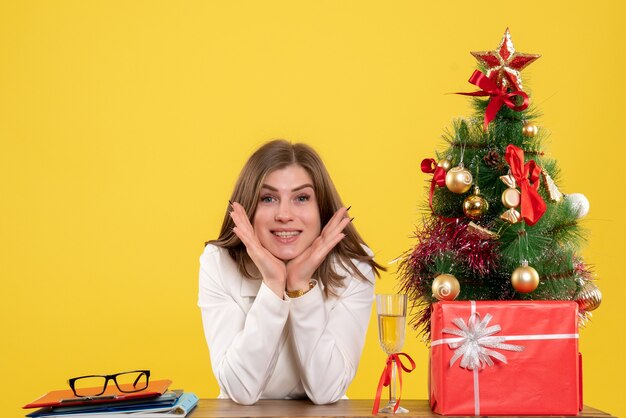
(391, 310)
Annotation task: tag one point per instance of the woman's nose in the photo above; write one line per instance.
(284, 212)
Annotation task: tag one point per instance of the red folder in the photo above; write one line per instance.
(112, 394)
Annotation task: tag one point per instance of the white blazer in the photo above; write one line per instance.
(264, 347)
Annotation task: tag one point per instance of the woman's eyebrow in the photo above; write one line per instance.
(267, 186)
(304, 186)
(274, 189)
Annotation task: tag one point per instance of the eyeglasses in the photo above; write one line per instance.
(95, 385)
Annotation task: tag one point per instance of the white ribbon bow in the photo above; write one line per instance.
(476, 341)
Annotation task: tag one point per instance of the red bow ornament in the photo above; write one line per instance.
(527, 177)
(429, 165)
(499, 96)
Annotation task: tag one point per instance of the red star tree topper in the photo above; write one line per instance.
(504, 64)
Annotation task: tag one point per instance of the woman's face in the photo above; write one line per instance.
(287, 219)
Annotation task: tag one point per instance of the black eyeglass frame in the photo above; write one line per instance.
(112, 377)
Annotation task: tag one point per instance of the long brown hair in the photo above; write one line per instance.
(276, 155)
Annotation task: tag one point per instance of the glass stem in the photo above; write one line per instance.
(392, 384)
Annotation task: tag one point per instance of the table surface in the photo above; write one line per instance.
(211, 408)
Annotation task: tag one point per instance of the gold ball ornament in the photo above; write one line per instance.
(525, 279)
(445, 164)
(475, 206)
(588, 297)
(446, 287)
(458, 179)
(529, 130)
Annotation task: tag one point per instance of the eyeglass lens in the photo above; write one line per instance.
(132, 381)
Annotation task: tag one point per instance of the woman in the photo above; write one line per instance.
(286, 290)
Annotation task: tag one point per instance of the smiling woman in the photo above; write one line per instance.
(287, 288)
(287, 219)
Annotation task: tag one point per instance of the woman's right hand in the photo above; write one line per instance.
(273, 270)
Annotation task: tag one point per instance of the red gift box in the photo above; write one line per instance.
(509, 358)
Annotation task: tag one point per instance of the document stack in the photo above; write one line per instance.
(154, 401)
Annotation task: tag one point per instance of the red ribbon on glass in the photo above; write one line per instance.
(386, 377)
(499, 96)
(527, 177)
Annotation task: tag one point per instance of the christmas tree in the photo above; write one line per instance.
(497, 226)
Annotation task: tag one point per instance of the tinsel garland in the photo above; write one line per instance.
(438, 241)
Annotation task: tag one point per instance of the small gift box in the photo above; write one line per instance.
(505, 358)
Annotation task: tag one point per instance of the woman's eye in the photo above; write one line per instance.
(267, 199)
(303, 198)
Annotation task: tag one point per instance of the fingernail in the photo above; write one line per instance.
(230, 203)
(348, 208)
(351, 219)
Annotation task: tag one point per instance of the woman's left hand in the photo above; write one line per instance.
(301, 269)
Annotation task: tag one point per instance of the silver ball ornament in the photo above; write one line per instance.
(580, 203)
(589, 297)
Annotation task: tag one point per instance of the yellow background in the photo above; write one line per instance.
(123, 125)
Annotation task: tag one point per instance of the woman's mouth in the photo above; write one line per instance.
(286, 236)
